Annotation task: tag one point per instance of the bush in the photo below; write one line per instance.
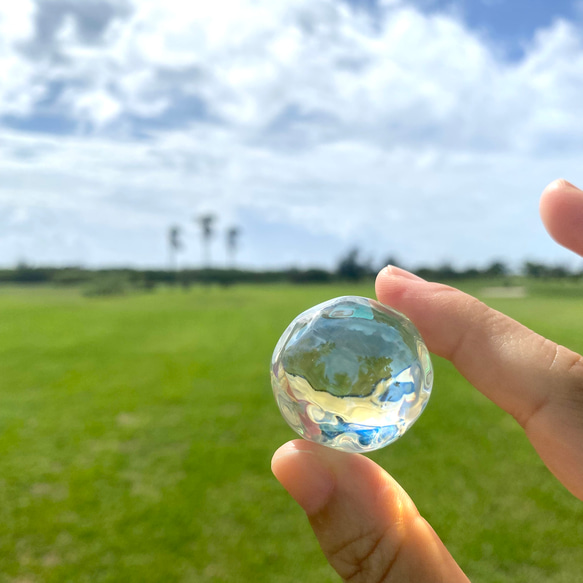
(110, 284)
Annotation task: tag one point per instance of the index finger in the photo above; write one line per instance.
(537, 381)
(561, 209)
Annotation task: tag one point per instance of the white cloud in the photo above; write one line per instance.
(407, 134)
(16, 22)
(18, 90)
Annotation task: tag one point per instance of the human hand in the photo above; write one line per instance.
(367, 526)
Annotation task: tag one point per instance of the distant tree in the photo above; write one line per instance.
(351, 268)
(233, 235)
(206, 223)
(425, 272)
(496, 269)
(313, 275)
(532, 269)
(560, 271)
(446, 271)
(174, 245)
(540, 270)
(470, 273)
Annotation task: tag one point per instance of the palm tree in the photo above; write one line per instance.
(232, 242)
(174, 245)
(206, 223)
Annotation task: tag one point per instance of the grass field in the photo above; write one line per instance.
(136, 434)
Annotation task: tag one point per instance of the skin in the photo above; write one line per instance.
(366, 524)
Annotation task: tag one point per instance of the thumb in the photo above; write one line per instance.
(367, 526)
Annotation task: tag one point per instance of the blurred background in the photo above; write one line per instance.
(178, 180)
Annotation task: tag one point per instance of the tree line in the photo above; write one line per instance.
(350, 268)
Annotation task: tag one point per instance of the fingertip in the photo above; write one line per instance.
(557, 192)
(392, 281)
(561, 210)
(559, 184)
(551, 193)
(302, 469)
(394, 271)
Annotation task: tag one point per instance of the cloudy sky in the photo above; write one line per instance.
(420, 129)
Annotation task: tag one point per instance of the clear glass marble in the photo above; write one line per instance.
(351, 374)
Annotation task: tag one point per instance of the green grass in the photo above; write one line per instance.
(136, 435)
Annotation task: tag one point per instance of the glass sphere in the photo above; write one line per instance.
(351, 374)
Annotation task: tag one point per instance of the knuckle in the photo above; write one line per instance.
(369, 558)
(574, 366)
(568, 367)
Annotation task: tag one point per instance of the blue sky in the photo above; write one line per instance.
(423, 130)
(512, 21)
(509, 26)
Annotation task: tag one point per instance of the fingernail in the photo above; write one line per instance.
(393, 271)
(561, 183)
(569, 184)
(304, 474)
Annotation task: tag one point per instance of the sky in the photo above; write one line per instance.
(421, 130)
